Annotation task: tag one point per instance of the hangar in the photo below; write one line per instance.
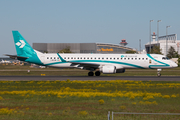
(83, 47)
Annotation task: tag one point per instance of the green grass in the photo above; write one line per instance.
(39, 99)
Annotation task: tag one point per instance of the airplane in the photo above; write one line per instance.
(5, 61)
(95, 63)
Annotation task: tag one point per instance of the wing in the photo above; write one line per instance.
(86, 66)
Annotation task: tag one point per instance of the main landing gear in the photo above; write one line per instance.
(97, 73)
(158, 72)
(90, 74)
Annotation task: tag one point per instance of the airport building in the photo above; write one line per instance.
(163, 42)
(83, 47)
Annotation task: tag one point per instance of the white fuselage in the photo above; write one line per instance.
(120, 61)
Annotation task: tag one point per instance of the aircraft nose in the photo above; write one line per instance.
(174, 64)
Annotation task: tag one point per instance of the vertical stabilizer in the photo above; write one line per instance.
(24, 51)
(22, 46)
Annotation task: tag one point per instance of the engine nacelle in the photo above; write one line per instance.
(108, 69)
(120, 70)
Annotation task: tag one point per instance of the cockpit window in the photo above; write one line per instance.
(165, 58)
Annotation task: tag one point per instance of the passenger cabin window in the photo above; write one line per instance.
(107, 58)
(142, 58)
(47, 57)
(125, 58)
(128, 58)
(135, 58)
(132, 58)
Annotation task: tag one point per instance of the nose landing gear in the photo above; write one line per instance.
(158, 72)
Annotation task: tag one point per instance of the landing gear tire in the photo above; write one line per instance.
(97, 73)
(159, 74)
(90, 74)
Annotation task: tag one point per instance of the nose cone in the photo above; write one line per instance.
(174, 64)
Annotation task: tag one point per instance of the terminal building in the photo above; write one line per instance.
(83, 47)
(171, 41)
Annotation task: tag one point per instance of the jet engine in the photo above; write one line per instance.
(108, 69)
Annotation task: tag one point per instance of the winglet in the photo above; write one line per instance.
(61, 58)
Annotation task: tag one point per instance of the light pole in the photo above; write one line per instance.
(150, 35)
(167, 39)
(140, 46)
(158, 30)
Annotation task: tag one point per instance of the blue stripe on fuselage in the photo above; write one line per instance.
(164, 64)
(99, 61)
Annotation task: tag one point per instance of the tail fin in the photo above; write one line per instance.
(23, 48)
(24, 51)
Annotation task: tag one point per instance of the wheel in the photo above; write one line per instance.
(90, 74)
(97, 73)
(159, 74)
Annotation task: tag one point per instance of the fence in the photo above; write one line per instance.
(126, 113)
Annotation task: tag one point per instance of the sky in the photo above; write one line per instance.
(86, 21)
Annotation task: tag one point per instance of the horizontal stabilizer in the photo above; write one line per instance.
(16, 57)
